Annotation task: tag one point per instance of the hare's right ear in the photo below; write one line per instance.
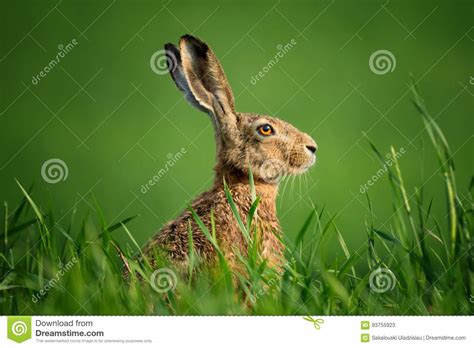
(197, 72)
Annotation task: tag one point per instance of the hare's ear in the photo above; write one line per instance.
(175, 68)
(204, 74)
(208, 84)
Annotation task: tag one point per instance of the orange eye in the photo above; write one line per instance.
(265, 130)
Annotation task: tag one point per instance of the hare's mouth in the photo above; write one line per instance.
(299, 170)
(304, 168)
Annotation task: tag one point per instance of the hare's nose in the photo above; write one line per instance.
(311, 148)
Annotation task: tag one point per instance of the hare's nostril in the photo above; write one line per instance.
(311, 148)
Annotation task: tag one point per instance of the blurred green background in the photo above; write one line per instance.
(114, 122)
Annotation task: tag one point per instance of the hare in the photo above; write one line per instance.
(270, 147)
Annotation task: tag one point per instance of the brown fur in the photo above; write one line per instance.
(197, 72)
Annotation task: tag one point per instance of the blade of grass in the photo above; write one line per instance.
(236, 214)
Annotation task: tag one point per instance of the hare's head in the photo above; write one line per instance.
(271, 147)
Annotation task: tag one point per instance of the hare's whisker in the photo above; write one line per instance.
(300, 179)
(293, 187)
(285, 180)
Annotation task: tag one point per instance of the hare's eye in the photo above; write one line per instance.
(265, 130)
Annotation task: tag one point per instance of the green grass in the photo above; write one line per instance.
(431, 260)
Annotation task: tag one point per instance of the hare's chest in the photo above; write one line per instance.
(270, 246)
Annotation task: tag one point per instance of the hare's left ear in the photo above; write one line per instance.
(175, 68)
(208, 84)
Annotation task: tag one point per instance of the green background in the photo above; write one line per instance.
(116, 130)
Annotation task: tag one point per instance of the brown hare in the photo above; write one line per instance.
(271, 147)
